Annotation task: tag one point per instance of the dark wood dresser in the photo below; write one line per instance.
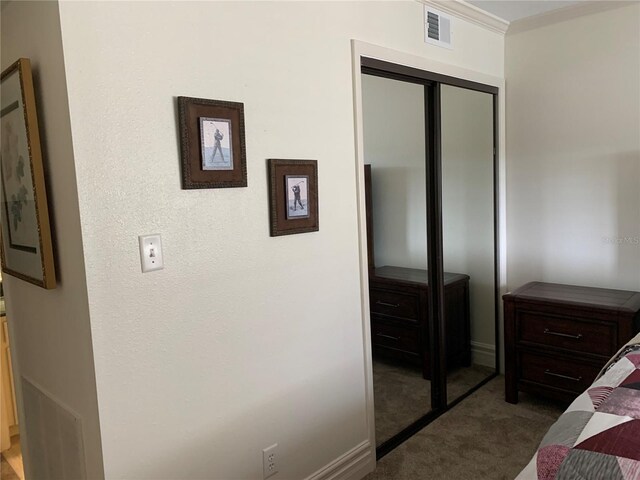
(558, 337)
(400, 311)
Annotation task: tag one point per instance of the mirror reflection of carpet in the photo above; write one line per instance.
(402, 396)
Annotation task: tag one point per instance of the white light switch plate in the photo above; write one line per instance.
(151, 252)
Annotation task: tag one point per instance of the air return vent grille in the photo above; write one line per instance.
(54, 435)
(437, 28)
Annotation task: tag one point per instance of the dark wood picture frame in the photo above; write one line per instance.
(279, 171)
(27, 253)
(194, 175)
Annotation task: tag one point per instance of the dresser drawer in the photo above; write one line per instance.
(597, 338)
(559, 372)
(405, 338)
(395, 304)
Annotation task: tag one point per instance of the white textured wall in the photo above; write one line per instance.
(242, 340)
(50, 331)
(467, 201)
(573, 151)
(394, 145)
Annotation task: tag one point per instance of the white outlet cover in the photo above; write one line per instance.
(151, 257)
(270, 461)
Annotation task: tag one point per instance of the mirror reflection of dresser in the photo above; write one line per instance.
(399, 309)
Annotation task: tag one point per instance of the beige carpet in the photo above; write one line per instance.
(402, 396)
(482, 438)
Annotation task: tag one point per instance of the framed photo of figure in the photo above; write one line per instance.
(293, 196)
(26, 247)
(212, 143)
(216, 145)
(297, 190)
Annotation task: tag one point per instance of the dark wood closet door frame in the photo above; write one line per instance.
(435, 259)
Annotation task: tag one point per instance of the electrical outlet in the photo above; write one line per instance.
(270, 461)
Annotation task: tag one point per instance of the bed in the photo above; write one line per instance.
(598, 436)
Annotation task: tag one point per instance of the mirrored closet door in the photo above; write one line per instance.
(429, 154)
(394, 150)
(468, 236)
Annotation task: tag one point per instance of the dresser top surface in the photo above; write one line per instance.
(414, 275)
(604, 298)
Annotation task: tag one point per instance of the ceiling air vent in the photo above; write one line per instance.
(437, 28)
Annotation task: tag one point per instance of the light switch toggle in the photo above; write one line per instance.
(151, 252)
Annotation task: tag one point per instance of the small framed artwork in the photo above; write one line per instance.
(297, 188)
(293, 196)
(212, 143)
(26, 247)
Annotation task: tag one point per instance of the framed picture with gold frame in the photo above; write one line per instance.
(26, 247)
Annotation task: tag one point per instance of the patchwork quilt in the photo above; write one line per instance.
(598, 437)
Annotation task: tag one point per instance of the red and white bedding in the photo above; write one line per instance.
(598, 437)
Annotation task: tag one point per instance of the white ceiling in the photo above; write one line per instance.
(516, 9)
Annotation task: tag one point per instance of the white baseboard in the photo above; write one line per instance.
(353, 465)
(483, 354)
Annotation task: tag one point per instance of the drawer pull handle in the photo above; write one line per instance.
(385, 304)
(565, 377)
(565, 335)
(387, 336)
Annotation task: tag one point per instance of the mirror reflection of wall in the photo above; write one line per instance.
(394, 146)
(468, 220)
(394, 137)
